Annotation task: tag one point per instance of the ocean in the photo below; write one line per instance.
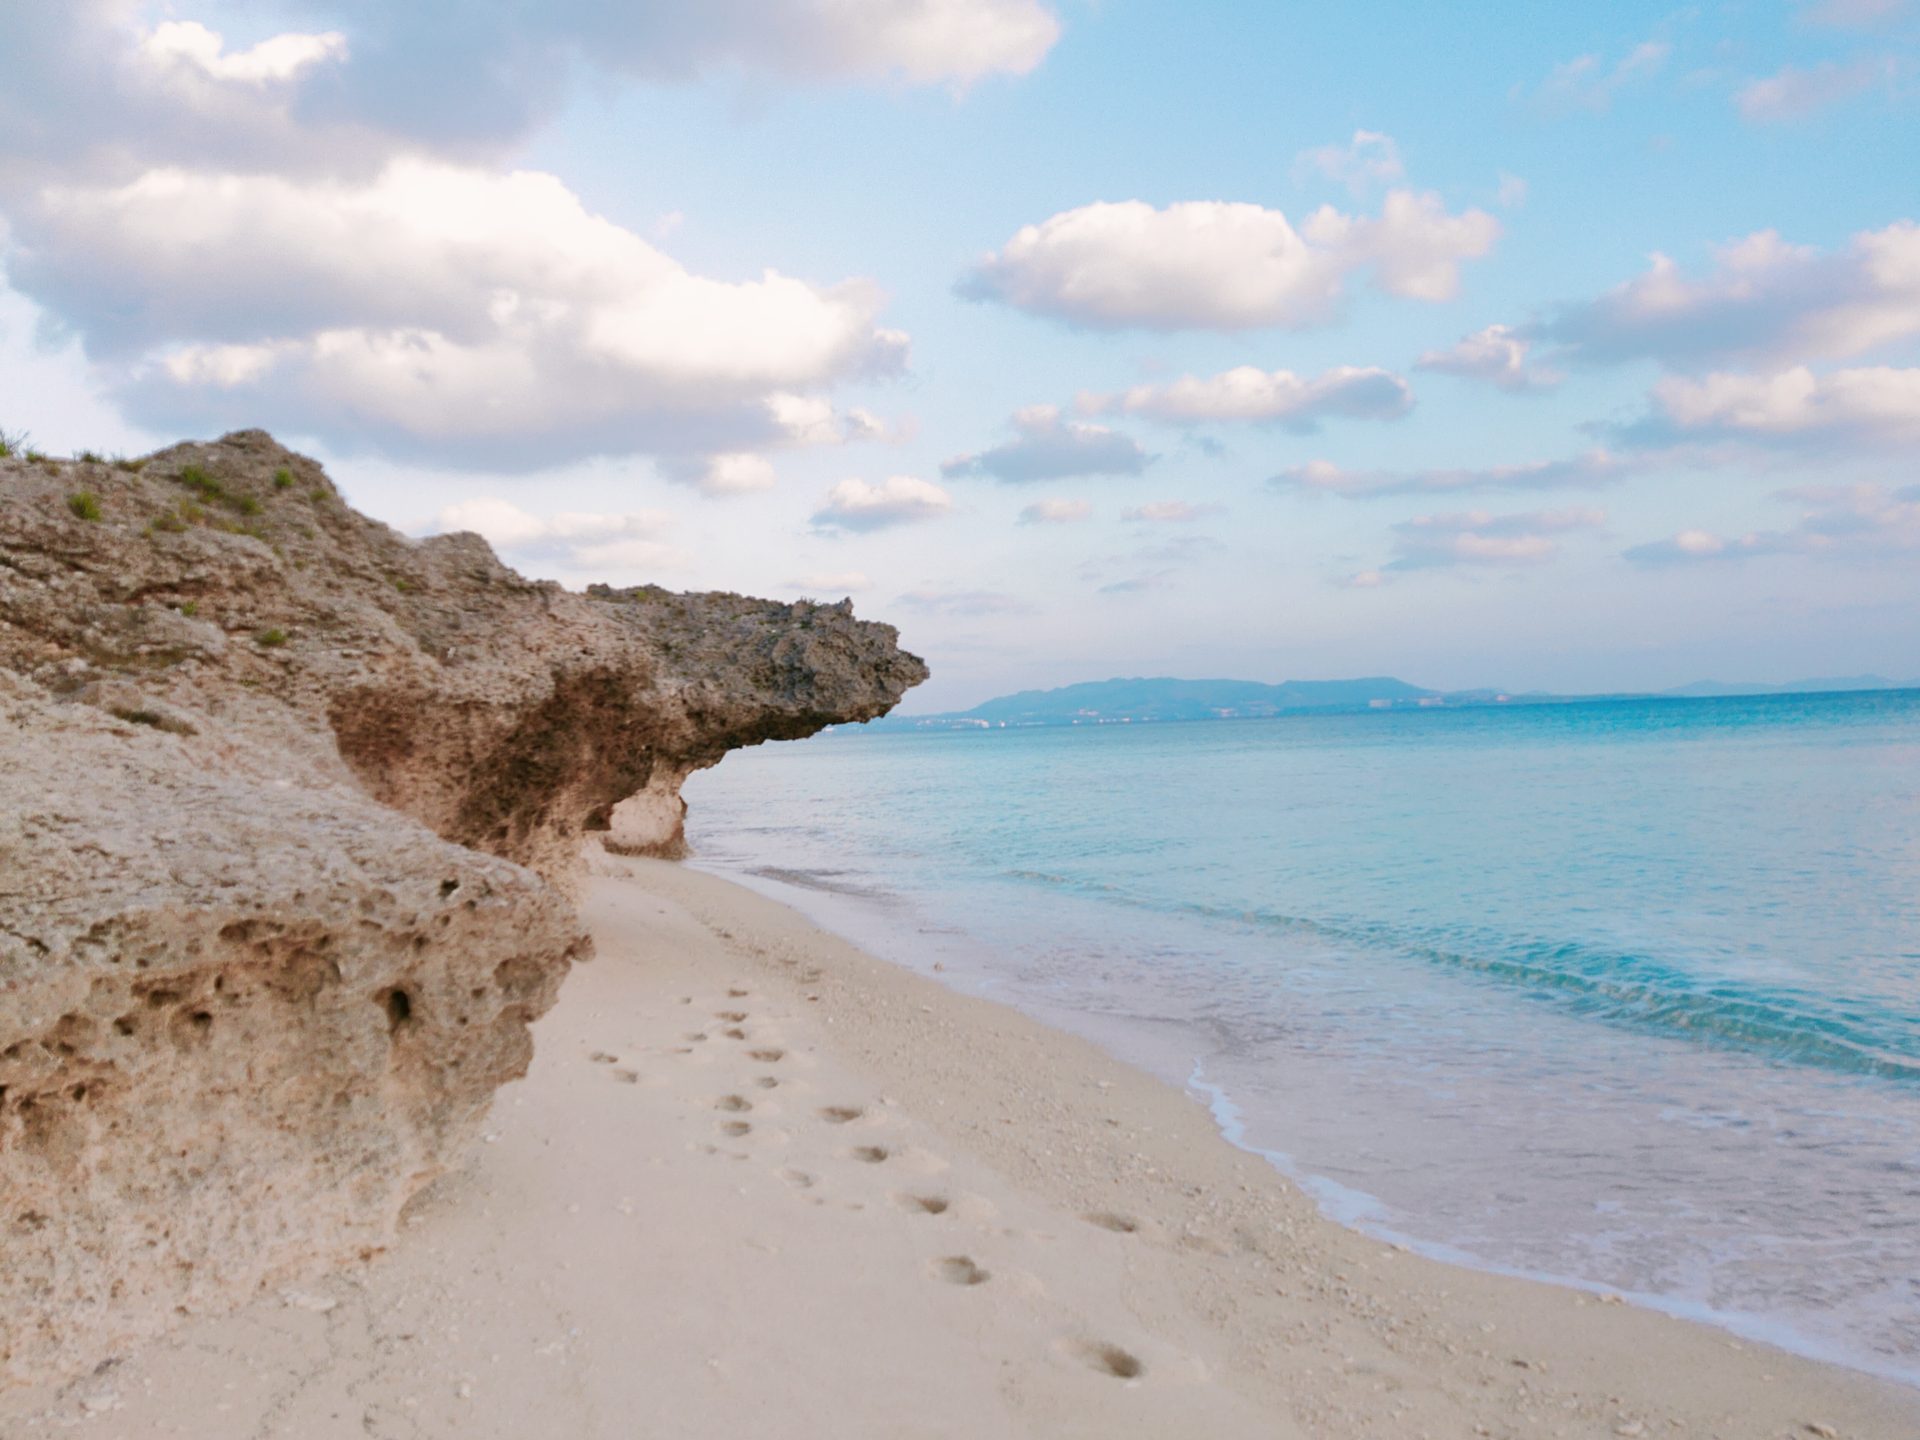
(1623, 994)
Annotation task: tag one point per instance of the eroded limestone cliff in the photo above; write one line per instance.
(288, 803)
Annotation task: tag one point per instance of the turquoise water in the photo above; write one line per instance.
(1622, 993)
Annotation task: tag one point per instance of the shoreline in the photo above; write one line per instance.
(881, 922)
(866, 1204)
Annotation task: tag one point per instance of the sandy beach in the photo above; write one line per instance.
(759, 1183)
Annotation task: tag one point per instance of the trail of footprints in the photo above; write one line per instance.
(961, 1271)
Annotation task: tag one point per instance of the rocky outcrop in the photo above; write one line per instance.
(288, 804)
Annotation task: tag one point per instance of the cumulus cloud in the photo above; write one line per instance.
(1793, 92)
(737, 474)
(315, 232)
(1478, 538)
(578, 543)
(921, 42)
(1764, 301)
(1588, 82)
(450, 76)
(1051, 448)
(1877, 405)
(1853, 522)
(1269, 396)
(1367, 160)
(897, 500)
(1210, 265)
(1596, 467)
(273, 61)
(1056, 512)
(1497, 355)
(497, 322)
(835, 582)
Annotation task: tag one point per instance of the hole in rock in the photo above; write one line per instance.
(399, 1007)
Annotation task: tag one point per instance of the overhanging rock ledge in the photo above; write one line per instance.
(289, 805)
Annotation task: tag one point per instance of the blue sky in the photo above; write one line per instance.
(1100, 338)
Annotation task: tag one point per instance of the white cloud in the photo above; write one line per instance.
(1596, 467)
(1056, 512)
(1851, 522)
(1587, 82)
(1793, 93)
(1478, 538)
(1497, 355)
(1367, 160)
(736, 474)
(186, 42)
(1168, 512)
(590, 544)
(1203, 265)
(1279, 396)
(497, 323)
(1872, 405)
(1050, 448)
(1764, 300)
(836, 582)
(446, 75)
(898, 500)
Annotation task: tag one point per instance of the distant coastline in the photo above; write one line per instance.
(1165, 699)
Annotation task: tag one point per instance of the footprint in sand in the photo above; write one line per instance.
(959, 1270)
(1107, 1359)
(733, 1102)
(767, 1057)
(869, 1154)
(737, 994)
(798, 1179)
(1119, 1224)
(732, 1017)
(841, 1114)
(923, 1204)
(736, 1128)
(767, 1082)
(734, 1032)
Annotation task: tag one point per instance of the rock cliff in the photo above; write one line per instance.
(288, 805)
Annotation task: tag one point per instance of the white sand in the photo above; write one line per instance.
(761, 1185)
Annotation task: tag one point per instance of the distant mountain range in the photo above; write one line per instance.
(1144, 701)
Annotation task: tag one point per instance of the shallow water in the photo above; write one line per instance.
(1623, 993)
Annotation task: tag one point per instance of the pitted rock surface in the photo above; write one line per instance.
(288, 805)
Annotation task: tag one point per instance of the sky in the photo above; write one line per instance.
(1570, 348)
